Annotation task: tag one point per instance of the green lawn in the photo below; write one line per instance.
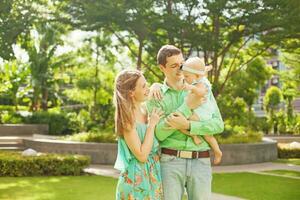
(256, 186)
(284, 172)
(57, 188)
(294, 161)
(246, 185)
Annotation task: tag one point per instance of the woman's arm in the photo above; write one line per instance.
(142, 150)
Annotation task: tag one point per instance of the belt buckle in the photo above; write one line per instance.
(185, 154)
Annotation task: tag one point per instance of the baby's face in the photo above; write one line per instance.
(189, 77)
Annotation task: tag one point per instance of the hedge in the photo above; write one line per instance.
(284, 151)
(14, 164)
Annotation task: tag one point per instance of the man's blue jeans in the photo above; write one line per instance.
(178, 173)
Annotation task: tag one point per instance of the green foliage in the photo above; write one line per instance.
(238, 134)
(14, 76)
(231, 34)
(16, 17)
(272, 99)
(99, 137)
(12, 108)
(94, 88)
(14, 164)
(59, 123)
(260, 124)
(246, 83)
(234, 111)
(8, 117)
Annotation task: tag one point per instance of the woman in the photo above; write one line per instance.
(137, 157)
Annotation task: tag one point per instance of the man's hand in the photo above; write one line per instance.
(177, 121)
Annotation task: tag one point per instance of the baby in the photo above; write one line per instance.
(195, 75)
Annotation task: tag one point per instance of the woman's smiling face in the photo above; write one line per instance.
(141, 91)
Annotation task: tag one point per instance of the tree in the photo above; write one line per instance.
(247, 83)
(93, 77)
(272, 100)
(219, 30)
(14, 75)
(16, 17)
(41, 45)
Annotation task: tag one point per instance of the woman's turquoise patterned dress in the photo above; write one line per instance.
(138, 181)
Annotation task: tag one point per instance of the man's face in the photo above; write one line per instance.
(171, 69)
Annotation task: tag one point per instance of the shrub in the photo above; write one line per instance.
(14, 164)
(92, 137)
(59, 123)
(7, 117)
(12, 108)
(238, 134)
(260, 124)
(285, 151)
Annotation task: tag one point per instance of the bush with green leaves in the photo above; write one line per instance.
(238, 134)
(260, 124)
(59, 123)
(9, 117)
(234, 110)
(99, 137)
(14, 164)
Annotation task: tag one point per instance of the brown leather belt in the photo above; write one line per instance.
(186, 154)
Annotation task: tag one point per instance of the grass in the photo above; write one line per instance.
(284, 172)
(245, 185)
(57, 188)
(294, 161)
(256, 186)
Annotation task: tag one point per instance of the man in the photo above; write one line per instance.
(183, 163)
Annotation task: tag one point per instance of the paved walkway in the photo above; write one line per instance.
(108, 170)
(256, 167)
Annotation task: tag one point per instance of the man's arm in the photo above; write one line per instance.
(211, 126)
(162, 130)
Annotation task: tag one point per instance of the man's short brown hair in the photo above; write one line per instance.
(165, 52)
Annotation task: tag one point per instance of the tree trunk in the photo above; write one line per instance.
(170, 13)
(216, 33)
(96, 86)
(35, 99)
(139, 58)
(45, 95)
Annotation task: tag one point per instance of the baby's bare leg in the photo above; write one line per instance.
(211, 140)
(195, 138)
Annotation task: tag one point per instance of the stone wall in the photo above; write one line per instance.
(237, 154)
(105, 153)
(100, 153)
(284, 138)
(23, 129)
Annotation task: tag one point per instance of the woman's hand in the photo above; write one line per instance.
(155, 116)
(176, 120)
(155, 91)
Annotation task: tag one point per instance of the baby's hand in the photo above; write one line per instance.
(201, 90)
(155, 91)
(188, 86)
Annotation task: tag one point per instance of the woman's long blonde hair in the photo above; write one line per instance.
(125, 83)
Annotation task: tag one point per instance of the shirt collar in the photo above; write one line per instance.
(165, 87)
